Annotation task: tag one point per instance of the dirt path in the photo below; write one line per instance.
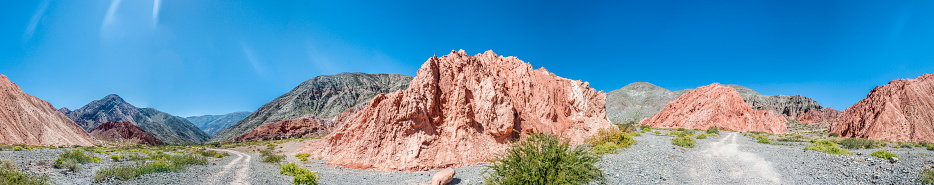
(240, 166)
(723, 162)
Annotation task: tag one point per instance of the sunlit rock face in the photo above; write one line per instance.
(902, 110)
(27, 120)
(718, 106)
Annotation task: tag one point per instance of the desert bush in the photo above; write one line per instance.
(301, 175)
(117, 158)
(609, 141)
(926, 176)
(658, 133)
(764, 140)
(73, 159)
(833, 135)
(17, 148)
(302, 157)
(9, 174)
(906, 145)
(883, 154)
(858, 143)
(544, 159)
(684, 141)
(793, 138)
(827, 147)
(713, 130)
(163, 164)
(273, 158)
(702, 136)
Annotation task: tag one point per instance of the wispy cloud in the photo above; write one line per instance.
(34, 22)
(155, 11)
(109, 18)
(252, 59)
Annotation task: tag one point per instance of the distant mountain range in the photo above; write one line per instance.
(212, 124)
(166, 127)
(322, 97)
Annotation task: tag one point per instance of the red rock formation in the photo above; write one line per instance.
(715, 105)
(307, 126)
(824, 117)
(901, 111)
(459, 111)
(124, 131)
(25, 119)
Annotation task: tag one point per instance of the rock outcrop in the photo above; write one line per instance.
(791, 107)
(27, 120)
(168, 128)
(322, 97)
(124, 132)
(307, 126)
(824, 117)
(637, 101)
(902, 111)
(715, 105)
(211, 124)
(460, 110)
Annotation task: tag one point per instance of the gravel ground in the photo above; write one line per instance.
(730, 158)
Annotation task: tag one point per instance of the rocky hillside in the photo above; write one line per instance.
(792, 107)
(458, 111)
(124, 132)
(167, 128)
(719, 106)
(637, 101)
(321, 97)
(902, 110)
(212, 124)
(27, 120)
(307, 126)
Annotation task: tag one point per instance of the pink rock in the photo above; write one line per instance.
(461, 110)
(307, 126)
(824, 117)
(124, 131)
(715, 105)
(901, 111)
(443, 177)
(25, 119)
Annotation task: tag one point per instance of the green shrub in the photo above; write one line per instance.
(884, 154)
(219, 156)
(713, 130)
(658, 133)
(827, 147)
(302, 157)
(117, 157)
(926, 176)
(544, 159)
(681, 129)
(684, 141)
(702, 136)
(73, 159)
(273, 158)
(764, 140)
(834, 135)
(609, 141)
(858, 143)
(646, 129)
(301, 175)
(9, 174)
(906, 145)
(164, 164)
(16, 148)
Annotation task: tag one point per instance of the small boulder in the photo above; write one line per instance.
(443, 177)
(893, 160)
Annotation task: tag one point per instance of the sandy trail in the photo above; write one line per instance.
(242, 163)
(723, 162)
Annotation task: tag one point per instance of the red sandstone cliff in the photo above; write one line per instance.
(307, 126)
(901, 111)
(25, 119)
(459, 111)
(715, 105)
(124, 131)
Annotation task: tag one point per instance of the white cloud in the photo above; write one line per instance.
(155, 11)
(34, 22)
(252, 59)
(109, 18)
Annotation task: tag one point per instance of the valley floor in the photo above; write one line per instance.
(730, 158)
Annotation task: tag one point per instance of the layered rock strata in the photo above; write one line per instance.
(719, 106)
(27, 120)
(307, 126)
(124, 132)
(902, 111)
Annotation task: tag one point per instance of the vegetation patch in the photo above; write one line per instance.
(684, 141)
(858, 143)
(302, 157)
(9, 174)
(764, 140)
(834, 135)
(926, 176)
(300, 175)
(73, 159)
(544, 159)
(713, 130)
(884, 154)
(827, 147)
(269, 154)
(609, 141)
(164, 164)
(702, 136)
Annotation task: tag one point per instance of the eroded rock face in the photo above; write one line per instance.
(715, 105)
(123, 132)
(25, 119)
(307, 126)
(824, 117)
(902, 110)
(458, 111)
(791, 107)
(637, 101)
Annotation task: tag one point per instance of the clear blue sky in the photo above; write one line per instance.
(194, 57)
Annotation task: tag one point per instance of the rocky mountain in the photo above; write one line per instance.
(27, 120)
(902, 111)
(637, 101)
(458, 111)
(307, 126)
(167, 128)
(124, 132)
(321, 97)
(211, 124)
(791, 107)
(715, 105)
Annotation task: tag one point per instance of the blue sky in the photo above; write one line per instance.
(195, 57)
